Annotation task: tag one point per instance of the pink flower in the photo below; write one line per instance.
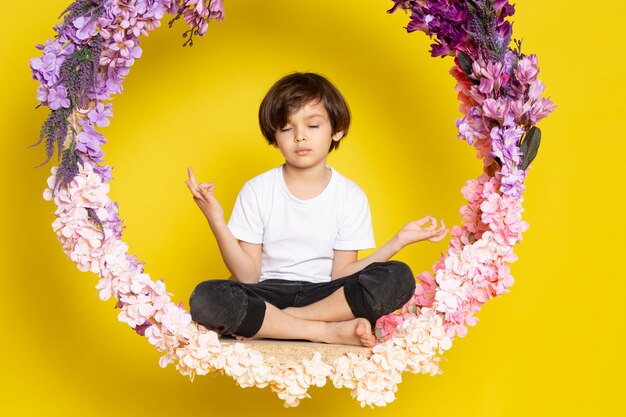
(387, 324)
(527, 69)
(496, 109)
(540, 109)
(424, 290)
(536, 89)
(216, 10)
(472, 191)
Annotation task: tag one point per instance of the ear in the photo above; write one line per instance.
(337, 136)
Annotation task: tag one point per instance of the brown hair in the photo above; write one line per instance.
(294, 91)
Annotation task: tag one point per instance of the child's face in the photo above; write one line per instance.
(305, 140)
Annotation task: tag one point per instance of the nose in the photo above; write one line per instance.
(299, 135)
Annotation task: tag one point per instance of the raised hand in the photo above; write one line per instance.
(419, 230)
(204, 198)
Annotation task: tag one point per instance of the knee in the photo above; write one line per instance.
(384, 288)
(403, 276)
(210, 300)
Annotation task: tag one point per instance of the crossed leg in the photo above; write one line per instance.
(329, 320)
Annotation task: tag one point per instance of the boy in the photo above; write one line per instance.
(292, 241)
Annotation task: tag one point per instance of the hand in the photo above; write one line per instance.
(414, 231)
(204, 198)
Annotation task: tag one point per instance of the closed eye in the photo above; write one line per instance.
(314, 126)
(285, 129)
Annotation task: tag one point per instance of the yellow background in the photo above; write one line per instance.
(554, 345)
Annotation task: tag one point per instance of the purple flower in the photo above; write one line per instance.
(114, 79)
(88, 141)
(466, 131)
(104, 171)
(141, 328)
(216, 10)
(57, 98)
(46, 69)
(123, 46)
(42, 93)
(112, 220)
(504, 144)
(511, 181)
(85, 26)
(99, 116)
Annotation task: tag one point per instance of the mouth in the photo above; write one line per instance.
(302, 151)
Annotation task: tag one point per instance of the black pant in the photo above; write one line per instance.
(235, 308)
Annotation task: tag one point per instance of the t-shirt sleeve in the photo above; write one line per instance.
(355, 229)
(245, 221)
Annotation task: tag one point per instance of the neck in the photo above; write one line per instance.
(311, 174)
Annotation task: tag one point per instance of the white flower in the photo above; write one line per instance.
(452, 291)
(173, 318)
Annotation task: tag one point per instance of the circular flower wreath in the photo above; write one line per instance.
(86, 63)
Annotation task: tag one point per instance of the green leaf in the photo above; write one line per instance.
(466, 63)
(530, 145)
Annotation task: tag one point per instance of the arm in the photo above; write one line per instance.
(242, 259)
(345, 262)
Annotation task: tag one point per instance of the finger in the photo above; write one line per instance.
(421, 222)
(194, 190)
(432, 223)
(192, 177)
(439, 236)
(203, 192)
(207, 186)
(440, 232)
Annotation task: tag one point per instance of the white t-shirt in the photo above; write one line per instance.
(299, 236)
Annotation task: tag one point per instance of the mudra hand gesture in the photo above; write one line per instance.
(204, 198)
(415, 231)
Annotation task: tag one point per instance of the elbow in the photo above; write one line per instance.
(344, 272)
(246, 278)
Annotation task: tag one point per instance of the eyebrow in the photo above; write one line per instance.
(314, 115)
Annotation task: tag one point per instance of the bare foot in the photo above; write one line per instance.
(357, 332)
(247, 339)
(364, 331)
